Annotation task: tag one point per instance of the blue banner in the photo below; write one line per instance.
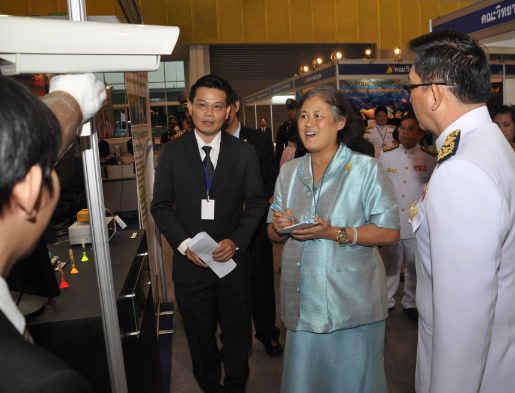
(261, 95)
(375, 69)
(248, 100)
(281, 88)
(487, 17)
(316, 77)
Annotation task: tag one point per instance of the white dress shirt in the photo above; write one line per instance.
(8, 307)
(237, 133)
(213, 154)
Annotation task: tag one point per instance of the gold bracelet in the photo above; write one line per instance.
(342, 238)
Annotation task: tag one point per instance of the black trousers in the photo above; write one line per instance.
(201, 306)
(263, 292)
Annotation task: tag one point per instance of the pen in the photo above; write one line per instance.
(278, 209)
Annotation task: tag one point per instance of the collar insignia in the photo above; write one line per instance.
(412, 212)
(450, 146)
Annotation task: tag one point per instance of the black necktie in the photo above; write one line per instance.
(208, 164)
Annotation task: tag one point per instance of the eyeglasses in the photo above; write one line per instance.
(202, 106)
(409, 87)
(410, 128)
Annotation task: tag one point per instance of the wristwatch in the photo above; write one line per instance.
(342, 238)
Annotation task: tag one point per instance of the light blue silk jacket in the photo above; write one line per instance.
(325, 288)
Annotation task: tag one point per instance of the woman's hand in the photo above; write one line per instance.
(279, 221)
(323, 230)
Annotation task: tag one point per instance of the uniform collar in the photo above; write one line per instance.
(237, 133)
(9, 309)
(413, 150)
(469, 121)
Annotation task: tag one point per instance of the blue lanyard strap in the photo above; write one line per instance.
(207, 180)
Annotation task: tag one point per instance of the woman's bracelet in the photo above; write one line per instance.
(355, 238)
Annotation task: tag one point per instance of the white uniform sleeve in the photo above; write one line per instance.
(464, 210)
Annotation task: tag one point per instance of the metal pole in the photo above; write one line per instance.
(93, 180)
(337, 75)
(244, 121)
(504, 83)
(272, 120)
(255, 111)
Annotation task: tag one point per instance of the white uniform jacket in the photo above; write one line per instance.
(408, 171)
(380, 139)
(466, 263)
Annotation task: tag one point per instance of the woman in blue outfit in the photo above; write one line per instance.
(333, 284)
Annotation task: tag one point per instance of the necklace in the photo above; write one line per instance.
(317, 197)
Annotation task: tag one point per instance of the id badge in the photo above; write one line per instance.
(208, 209)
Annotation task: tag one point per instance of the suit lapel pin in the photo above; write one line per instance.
(348, 167)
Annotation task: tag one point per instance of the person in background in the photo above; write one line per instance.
(29, 191)
(362, 145)
(183, 99)
(380, 134)
(408, 167)
(261, 251)
(504, 117)
(295, 148)
(201, 167)
(263, 126)
(333, 283)
(281, 140)
(172, 127)
(464, 224)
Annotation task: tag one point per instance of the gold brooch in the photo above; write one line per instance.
(348, 167)
(391, 170)
(449, 147)
(412, 212)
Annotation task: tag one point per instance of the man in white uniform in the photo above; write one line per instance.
(381, 134)
(464, 225)
(408, 167)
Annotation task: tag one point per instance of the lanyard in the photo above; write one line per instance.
(385, 132)
(207, 181)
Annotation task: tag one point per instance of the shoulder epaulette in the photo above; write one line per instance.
(390, 148)
(388, 125)
(431, 152)
(369, 127)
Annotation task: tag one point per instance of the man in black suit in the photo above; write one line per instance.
(263, 127)
(200, 163)
(281, 140)
(263, 291)
(32, 137)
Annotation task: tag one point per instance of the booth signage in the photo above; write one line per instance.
(248, 100)
(496, 69)
(281, 88)
(139, 110)
(375, 69)
(484, 18)
(263, 94)
(315, 77)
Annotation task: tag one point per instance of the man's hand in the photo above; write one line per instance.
(193, 258)
(87, 90)
(225, 251)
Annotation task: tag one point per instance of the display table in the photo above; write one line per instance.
(72, 328)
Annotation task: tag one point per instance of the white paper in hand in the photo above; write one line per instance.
(203, 245)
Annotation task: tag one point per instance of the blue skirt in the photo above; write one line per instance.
(345, 361)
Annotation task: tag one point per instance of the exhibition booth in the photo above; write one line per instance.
(111, 320)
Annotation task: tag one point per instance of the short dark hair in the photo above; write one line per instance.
(381, 109)
(504, 109)
(451, 56)
(263, 118)
(410, 115)
(350, 133)
(213, 82)
(29, 135)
